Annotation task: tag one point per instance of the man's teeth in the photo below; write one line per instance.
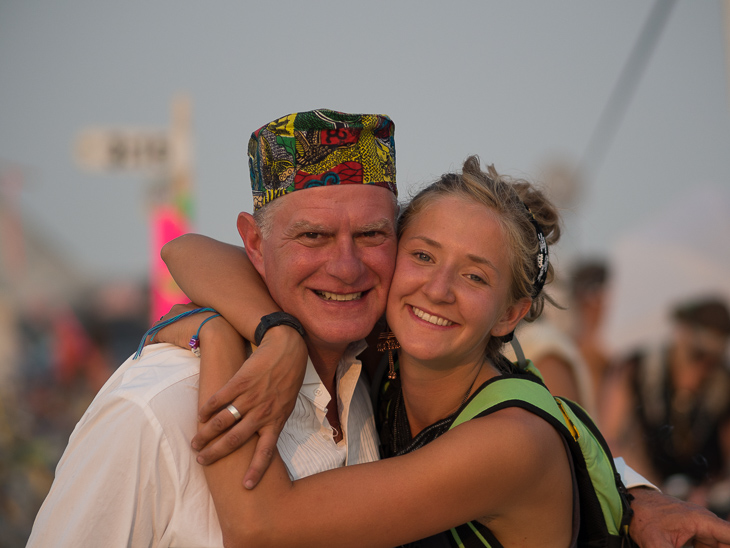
(430, 319)
(339, 296)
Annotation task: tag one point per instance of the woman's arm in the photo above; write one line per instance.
(510, 467)
(220, 275)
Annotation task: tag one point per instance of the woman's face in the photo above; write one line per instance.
(451, 287)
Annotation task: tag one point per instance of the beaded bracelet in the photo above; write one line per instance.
(194, 342)
(156, 328)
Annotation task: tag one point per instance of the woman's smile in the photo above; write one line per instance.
(431, 318)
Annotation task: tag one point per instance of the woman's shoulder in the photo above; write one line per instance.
(510, 426)
(521, 461)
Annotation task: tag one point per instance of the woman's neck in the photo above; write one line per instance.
(431, 394)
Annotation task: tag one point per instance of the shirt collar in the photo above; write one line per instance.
(314, 389)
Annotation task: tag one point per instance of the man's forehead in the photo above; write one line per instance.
(314, 223)
(361, 205)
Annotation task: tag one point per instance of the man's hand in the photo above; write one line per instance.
(661, 521)
(264, 391)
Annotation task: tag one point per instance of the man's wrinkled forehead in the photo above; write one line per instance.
(372, 208)
(382, 224)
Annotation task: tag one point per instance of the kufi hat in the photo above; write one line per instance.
(319, 148)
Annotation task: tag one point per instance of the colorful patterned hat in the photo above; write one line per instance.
(320, 148)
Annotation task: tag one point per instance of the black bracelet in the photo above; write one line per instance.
(272, 320)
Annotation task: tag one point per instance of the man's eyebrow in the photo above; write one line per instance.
(474, 258)
(306, 226)
(381, 225)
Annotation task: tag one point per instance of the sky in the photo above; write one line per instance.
(520, 83)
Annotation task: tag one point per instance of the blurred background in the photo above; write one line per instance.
(124, 124)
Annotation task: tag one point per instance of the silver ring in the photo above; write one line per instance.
(234, 412)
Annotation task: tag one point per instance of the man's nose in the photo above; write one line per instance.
(346, 262)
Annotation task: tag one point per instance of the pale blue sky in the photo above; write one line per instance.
(517, 82)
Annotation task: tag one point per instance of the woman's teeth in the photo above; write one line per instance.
(429, 318)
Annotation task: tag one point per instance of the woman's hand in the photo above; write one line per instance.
(181, 331)
(264, 391)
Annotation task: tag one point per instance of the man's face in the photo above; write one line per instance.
(329, 260)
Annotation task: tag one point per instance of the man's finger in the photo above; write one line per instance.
(262, 457)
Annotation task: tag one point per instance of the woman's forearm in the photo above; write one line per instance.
(219, 275)
(221, 354)
(264, 390)
(340, 507)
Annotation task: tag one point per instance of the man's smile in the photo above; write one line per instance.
(327, 296)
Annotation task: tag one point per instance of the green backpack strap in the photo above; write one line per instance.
(603, 505)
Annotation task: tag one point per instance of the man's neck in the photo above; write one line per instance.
(325, 361)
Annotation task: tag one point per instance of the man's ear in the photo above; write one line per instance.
(252, 241)
(511, 317)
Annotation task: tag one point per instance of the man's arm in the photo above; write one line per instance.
(630, 477)
(661, 521)
(108, 482)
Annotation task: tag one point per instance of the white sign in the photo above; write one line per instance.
(123, 149)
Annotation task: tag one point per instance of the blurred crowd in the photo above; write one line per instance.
(663, 405)
(56, 357)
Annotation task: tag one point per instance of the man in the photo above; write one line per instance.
(128, 476)
(334, 280)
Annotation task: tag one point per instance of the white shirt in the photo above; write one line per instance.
(129, 477)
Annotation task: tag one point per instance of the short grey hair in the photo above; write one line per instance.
(264, 217)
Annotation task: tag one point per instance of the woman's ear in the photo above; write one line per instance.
(511, 317)
(252, 241)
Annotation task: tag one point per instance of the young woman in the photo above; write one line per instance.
(470, 266)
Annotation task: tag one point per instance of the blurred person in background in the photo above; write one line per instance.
(565, 345)
(588, 283)
(668, 406)
(557, 357)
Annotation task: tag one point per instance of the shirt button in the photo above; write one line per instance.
(317, 391)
